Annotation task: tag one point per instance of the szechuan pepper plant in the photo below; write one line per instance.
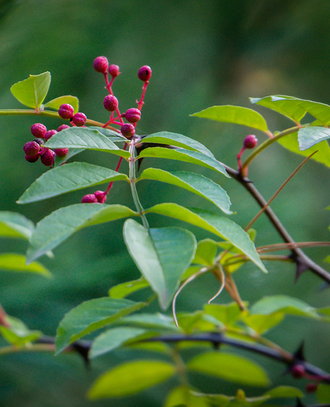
(168, 257)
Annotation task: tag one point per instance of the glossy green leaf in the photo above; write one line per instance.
(124, 289)
(227, 314)
(229, 367)
(151, 321)
(19, 337)
(162, 256)
(234, 114)
(17, 262)
(320, 111)
(62, 223)
(214, 223)
(15, 225)
(263, 323)
(32, 91)
(196, 183)
(67, 178)
(206, 251)
(113, 339)
(282, 303)
(71, 153)
(56, 103)
(284, 392)
(90, 316)
(323, 393)
(83, 137)
(183, 396)
(189, 156)
(110, 134)
(322, 156)
(177, 140)
(309, 136)
(282, 104)
(130, 378)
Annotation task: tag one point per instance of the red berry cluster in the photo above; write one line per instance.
(66, 111)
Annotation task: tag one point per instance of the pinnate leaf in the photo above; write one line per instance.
(90, 316)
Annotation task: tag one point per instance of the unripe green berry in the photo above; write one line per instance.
(63, 127)
(48, 157)
(110, 103)
(38, 130)
(31, 148)
(66, 111)
(61, 152)
(127, 130)
(32, 159)
(90, 198)
(132, 115)
(79, 119)
(145, 73)
(101, 64)
(250, 141)
(49, 134)
(114, 70)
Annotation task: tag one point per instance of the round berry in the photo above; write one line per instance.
(145, 73)
(66, 111)
(63, 127)
(100, 196)
(250, 141)
(49, 134)
(32, 159)
(61, 152)
(298, 371)
(101, 64)
(114, 70)
(31, 148)
(79, 119)
(110, 103)
(132, 115)
(127, 130)
(311, 387)
(40, 141)
(38, 130)
(48, 157)
(90, 198)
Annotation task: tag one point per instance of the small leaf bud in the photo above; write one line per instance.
(132, 115)
(63, 127)
(31, 148)
(101, 64)
(114, 70)
(49, 134)
(48, 157)
(38, 130)
(79, 119)
(66, 111)
(61, 152)
(127, 130)
(90, 198)
(110, 103)
(145, 73)
(250, 141)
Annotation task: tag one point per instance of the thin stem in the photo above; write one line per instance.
(180, 367)
(218, 271)
(283, 246)
(6, 350)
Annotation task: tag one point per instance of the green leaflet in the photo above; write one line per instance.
(17, 262)
(124, 289)
(234, 114)
(67, 178)
(15, 225)
(62, 223)
(31, 92)
(90, 316)
(196, 183)
(57, 102)
(309, 136)
(162, 256)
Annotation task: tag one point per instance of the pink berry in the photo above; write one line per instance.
(63, 127)
(38, 130)
(100, 196)
(145, 73)
(250, 141)
(132, 115)
(114, 70)
(61, 152)
(31, 148)
(48, 157)
(66, 111)
(127, 130)
(311, 387)
(298, 371)
(32, 159)
(101, 64)
(90, 198)
(79, 119)
(49, 134)
(110, 103)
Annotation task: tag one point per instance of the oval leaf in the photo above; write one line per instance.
(130, 378)
(56, 103)
(112, 339)
(229, 367)
(124, 289)
(15, 225)
(17, 262)
(31, 92)
(234, 114)
(196, 183)
(90, 316)
(284, 392)
(162, 256)
(309, 136)
(188, 156)
(214, 223)
(83, 137)
(66, 178)
(62, 223)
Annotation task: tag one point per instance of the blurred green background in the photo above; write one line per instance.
(202, 53)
